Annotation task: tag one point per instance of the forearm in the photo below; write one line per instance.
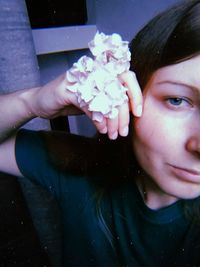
(15, 110)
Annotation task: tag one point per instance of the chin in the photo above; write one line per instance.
(185, 194)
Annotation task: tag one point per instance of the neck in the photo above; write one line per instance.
(153, 196)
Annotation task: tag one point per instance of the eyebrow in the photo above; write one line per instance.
(191, 87)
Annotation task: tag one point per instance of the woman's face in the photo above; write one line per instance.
(166, 139)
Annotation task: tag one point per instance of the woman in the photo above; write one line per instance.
(133, 201)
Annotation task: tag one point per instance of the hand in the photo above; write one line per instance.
(120, 124)
(54, 100)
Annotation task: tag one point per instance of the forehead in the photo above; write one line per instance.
(186, 72)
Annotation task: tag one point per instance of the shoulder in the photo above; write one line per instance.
(68, 151)
(84, 155)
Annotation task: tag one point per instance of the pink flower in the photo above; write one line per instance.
(95, 81)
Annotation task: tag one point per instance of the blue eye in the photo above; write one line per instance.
(176, 101)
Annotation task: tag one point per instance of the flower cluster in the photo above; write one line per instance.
(95, 80)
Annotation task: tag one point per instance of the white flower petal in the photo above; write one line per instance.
(113, 90)
(100, 103)
(116, 39)
(73, 87)
(114, 112)
(82, 104)
(71, 77)
(95, 81)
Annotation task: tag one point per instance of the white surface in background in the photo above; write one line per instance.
(58, 39)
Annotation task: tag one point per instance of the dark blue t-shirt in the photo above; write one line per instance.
(112, 229)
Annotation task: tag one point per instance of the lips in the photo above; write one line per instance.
(186, 174)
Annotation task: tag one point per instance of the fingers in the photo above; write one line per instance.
(100, 126)
(113, 127)
(134, 92)
(123, 120)
(120, 124)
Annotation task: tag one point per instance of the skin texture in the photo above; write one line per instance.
(166, 138)
(52, 100)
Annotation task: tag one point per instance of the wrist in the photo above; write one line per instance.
(28, 100)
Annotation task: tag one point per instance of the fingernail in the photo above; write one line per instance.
(114, 136)
(138, 111)
(104, 130)
(124, 131)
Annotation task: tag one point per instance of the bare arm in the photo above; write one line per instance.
(50, 101)
(19, 107)
(14, 112)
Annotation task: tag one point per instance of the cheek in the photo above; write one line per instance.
(147, 132)
(154, 134)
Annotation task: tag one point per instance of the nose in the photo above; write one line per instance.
(193, 145)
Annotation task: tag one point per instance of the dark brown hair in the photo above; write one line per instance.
(171, 37)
